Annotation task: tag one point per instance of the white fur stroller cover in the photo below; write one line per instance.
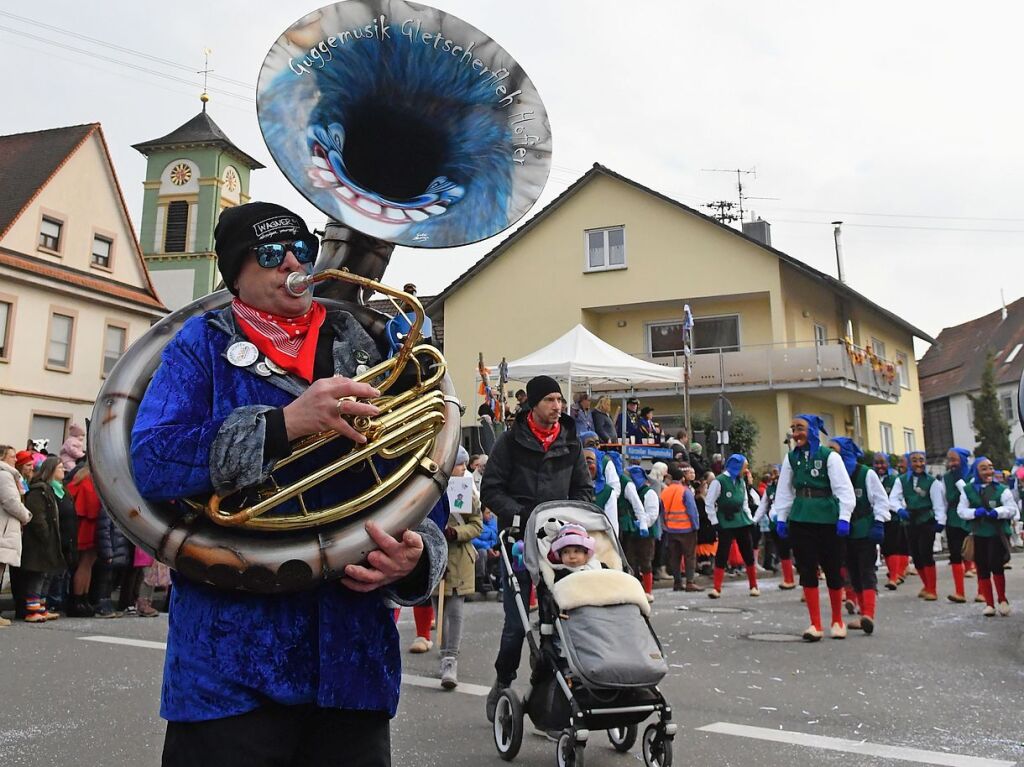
(602, 623)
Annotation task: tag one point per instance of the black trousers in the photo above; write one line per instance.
(989, 553)
(282, 736)
(783, 546)
(860, 564)
(922, 538)
(726, 535)
(817, 545)
(681, 547)
(895, 541)
(955, 538)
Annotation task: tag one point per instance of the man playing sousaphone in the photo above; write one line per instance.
(261, 679)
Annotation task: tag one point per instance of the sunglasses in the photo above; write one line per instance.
(271, 255)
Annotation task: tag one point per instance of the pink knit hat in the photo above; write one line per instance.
(572, 535)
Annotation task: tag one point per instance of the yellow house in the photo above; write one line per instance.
(770, 332)
(74, 291)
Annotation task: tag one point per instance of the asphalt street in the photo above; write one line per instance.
(936, 684)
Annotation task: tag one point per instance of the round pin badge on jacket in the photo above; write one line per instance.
(242, 354)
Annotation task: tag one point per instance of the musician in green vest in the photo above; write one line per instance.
(920, 500)
(870, 513)
(990, 507)
(813, 506)
(639, 509)
(728, 508)
(895, 548)
(957, 468)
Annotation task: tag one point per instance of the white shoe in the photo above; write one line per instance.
(714, 594)
(449, 673)
(838, 631)
(650, 597)
(755, 592)
(989, 611)
(1004, 608)
(812, 634)
(4, 623)
(420, 645)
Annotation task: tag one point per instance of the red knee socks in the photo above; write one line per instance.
(892, 563)
(787, 571)
(648, 581)
(813, 607)
(424, 616)
(904, 564)
(752, 576)
(719, 578)
(1000, 584)
(985, 589)
(958, 579)
(835, 598)
(867, 603)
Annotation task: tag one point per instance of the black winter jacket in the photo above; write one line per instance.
(40, 538)
(604, 426)
(521, 475)
(111, 544)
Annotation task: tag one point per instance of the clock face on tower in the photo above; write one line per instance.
(231, 180)
(181, 174)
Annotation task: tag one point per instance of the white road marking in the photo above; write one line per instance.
(125, 641)
(854, 746)
(413, 680)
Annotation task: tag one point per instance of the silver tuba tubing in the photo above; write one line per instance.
(239, 559)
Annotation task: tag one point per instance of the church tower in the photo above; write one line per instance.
(192, 174)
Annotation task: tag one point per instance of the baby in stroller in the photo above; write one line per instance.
(595, 657)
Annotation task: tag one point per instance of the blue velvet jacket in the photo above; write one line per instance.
(229, 652)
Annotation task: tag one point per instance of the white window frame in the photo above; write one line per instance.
(1004, 400)
(820, 338)
(59, 223)
(606, 267)
(109, 241)
(878, 347)
(649, 327)
(69, 363)
(887, 439)
(107, 327)
(714, 349)
(7, 330)
(903, 370)
(909, 440)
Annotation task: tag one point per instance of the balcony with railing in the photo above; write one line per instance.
(842, 372)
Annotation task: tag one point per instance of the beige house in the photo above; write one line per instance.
(74, 291)
(770, 331)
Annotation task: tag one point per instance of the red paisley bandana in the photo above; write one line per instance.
(544, 436)
(288, 342)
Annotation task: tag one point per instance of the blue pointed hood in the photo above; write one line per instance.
(638, 476)
(849, 451)
(734, 465)
(973, 477)
(815, 428)
(965, 460)
(599, 481)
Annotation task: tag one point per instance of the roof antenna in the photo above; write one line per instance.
(1002, 298)
(205, 72)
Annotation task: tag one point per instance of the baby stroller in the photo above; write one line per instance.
(595, 659)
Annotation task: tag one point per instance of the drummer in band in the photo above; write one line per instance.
(262, 679)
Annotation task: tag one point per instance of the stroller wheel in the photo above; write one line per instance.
(570, 751)
(508, 725)
(622, 738)
(657, 747)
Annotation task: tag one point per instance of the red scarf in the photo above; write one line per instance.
(288, 342)
(544, 436)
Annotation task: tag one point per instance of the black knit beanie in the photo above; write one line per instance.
(245, 226)
(540, 387)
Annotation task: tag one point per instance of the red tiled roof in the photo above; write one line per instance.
(27, 163)
(953, 365)
(78, 278)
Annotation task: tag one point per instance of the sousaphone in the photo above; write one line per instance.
(406, 126)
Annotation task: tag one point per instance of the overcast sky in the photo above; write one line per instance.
(902, 119)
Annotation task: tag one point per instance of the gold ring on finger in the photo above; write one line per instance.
(340, 403)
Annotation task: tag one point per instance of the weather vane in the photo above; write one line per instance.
(205, 72)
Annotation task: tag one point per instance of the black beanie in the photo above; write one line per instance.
(540, 387)
(245, 226)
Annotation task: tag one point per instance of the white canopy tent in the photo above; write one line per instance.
(581, 356)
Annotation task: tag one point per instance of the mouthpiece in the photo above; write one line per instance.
(297, 283)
